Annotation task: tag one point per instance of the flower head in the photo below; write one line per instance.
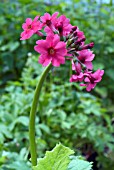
(60, 41)
(80, 34)
(92, 79)
(85, 57)
(49, 20)
(63, 25)
(78, 76)
(52, 50)
(30, 27)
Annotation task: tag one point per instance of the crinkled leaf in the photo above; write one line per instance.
(78, 164)
(57, 159)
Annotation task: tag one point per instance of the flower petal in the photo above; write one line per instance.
(89, 65)
(44, 60)
(28, 21)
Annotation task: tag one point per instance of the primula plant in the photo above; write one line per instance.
(60, 41)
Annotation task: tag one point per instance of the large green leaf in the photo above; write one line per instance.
(57, 159)
(78, 164)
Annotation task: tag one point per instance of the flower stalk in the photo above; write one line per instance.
(33, 115)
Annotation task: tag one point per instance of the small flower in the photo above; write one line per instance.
(52, 50)
(78, 76)
(49, 20)
(63, 25)
(80, 34)
(85, 57)
(30, 27)
(92, 79)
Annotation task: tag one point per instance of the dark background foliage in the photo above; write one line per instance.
(67, 113)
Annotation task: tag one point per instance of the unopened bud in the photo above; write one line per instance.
(83, 39)
(91, 45)
(80, 41)
(75, 33)
(77, 42)
(88, 46)
(74, 28)
(71, 31)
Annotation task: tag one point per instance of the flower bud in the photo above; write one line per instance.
(88, 46)
(74, 28)
(75, 33)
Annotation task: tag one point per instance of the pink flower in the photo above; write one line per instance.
(79, 76)
(63, 25)
(49, 20)
(30, 27)
(51, 50)
(92, 79)
(85, 57)
(80, 34)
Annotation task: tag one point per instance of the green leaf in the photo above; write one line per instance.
(18, 165)
(57, 159)
(78, 164)
(23, 120)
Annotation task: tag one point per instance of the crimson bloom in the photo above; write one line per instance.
(80, 34)
(78, 76)
(63, 25)
(30, 27)
(60, 41)
(52, 50)
(49, 20)
(85, 57)
(92, 79)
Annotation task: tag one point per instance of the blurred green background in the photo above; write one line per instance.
(67, 113)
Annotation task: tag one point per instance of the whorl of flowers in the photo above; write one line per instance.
(61, 41)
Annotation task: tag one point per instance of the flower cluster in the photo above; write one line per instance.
(61, 41)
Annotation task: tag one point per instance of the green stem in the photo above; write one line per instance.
(33, 114)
